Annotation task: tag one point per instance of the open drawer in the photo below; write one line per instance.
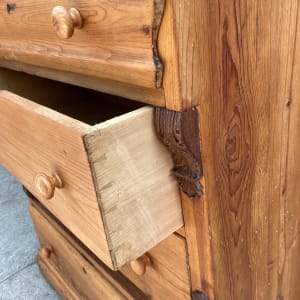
(108, 183)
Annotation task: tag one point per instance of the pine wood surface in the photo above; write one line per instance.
(131, 171)
(73, 270)
(168, 276)
(198, 243)
(249, 123)
(122, 158)
(183, 48)
(31, 144)
(290, 202)
(151, 96)
(117, 40)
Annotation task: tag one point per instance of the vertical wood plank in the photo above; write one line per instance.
(181, 47)
(289, 276)
(245, 124)
(198, 242)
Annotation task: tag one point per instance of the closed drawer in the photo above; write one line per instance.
(117, 39)
(167, 276)
(117, 195)
(73, 271)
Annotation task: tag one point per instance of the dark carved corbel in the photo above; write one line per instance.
(179, 131)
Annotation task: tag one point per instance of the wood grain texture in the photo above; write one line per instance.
(131, 171)
(198, 243)
(30, 145)
(72, 269)
(248, 117)
(116, 41)
(168, 277)
(290, 262)
(184, 52)
(151, 96)
(122, 158)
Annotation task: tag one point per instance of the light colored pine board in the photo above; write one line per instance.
(138, 197)
(198, 243)
(130, 170)
(151, 96)
(35, 139)
(168, 277)
(184, 51)
(116, 41)
(64, 290)
(181, 231)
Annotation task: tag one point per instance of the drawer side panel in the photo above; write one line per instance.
(138, 196)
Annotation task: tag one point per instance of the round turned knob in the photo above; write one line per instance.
(45, 185)
(65, 21)
(140, 265)
(45, 252)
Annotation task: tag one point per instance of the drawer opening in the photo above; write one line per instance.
(88, 106)
(114, 174)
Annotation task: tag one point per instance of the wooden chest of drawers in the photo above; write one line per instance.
(222, 82)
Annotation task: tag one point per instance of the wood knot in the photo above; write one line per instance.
(146, 29)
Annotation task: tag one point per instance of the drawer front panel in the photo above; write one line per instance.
(117, 39)
(73, 270)
(117, 195)
(168, 275)
(32, 143)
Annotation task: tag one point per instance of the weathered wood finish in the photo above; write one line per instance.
(198, 242)
(183, 49)
(121, 158)
(117, 40)
(249, 115)
(28, 131)
(239, 61)
(179, 131)
(131, 171)
(289, 265)
(71, 268)
(168, 276)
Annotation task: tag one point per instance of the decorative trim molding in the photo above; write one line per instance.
(179, 131)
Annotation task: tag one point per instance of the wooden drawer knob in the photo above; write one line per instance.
(140, 265)
(46, 252)
(65, 22)
(45, 185)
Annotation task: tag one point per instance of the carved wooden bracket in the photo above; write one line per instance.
(179, 131)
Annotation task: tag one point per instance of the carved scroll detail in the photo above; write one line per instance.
(179, 131)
